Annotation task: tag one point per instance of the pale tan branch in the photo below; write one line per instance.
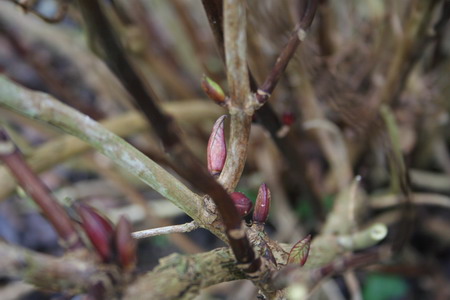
(165, 230)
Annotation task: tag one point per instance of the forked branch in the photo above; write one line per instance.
(185, 163)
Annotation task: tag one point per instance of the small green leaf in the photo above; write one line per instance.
(299, 252)
(213, 90)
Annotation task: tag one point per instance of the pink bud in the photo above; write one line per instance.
(300, 251)
(217, 148)
(98, 229)
(213, 90)
(262, 205)
(125, 244)
(242, 203)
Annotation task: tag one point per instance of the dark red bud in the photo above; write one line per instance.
(262, 205)
(288, 118)
(213, 90)
(217, 148)
(98, 229)
(242, 203)
(300, 251)
(125, 245)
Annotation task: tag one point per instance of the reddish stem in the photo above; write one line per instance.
(41, 195)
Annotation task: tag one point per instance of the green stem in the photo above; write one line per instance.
(45, 108)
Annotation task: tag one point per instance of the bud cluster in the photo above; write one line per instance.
(111, 244)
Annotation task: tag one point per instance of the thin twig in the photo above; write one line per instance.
(307, 15)
(106, 168)
(41, 195)
(187, 227)
(391, 200)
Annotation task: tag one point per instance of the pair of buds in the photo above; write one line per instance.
(262, 206)
(300, 251)
(112, 244)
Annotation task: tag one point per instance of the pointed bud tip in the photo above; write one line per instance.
(243, 203)
(125, 244)
(262, 205)
(217, 148)
(213, 90)
(98, 229)
(106, 223)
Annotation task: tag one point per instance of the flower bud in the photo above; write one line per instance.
(217, 148)
(300, 251)
(242, 203)
(125, 244)
(98, 229)
(213, 90)
(262, 205)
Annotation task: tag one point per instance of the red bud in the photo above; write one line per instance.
(300, 251)
(98, 229)
(213, 90)
(125, 244)
(242, 203)
(288, 118)
(262, 205)
(217, 148)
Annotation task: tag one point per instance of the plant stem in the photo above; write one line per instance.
(240, 124)
(71, 275)
(265, 114)
(41, 195)
(169, 281)
(43, 107)
(307, 14)
(188, 227)
(67, 146)
(235, 39)
(392, 200)
(241, 105)
(184, 162)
